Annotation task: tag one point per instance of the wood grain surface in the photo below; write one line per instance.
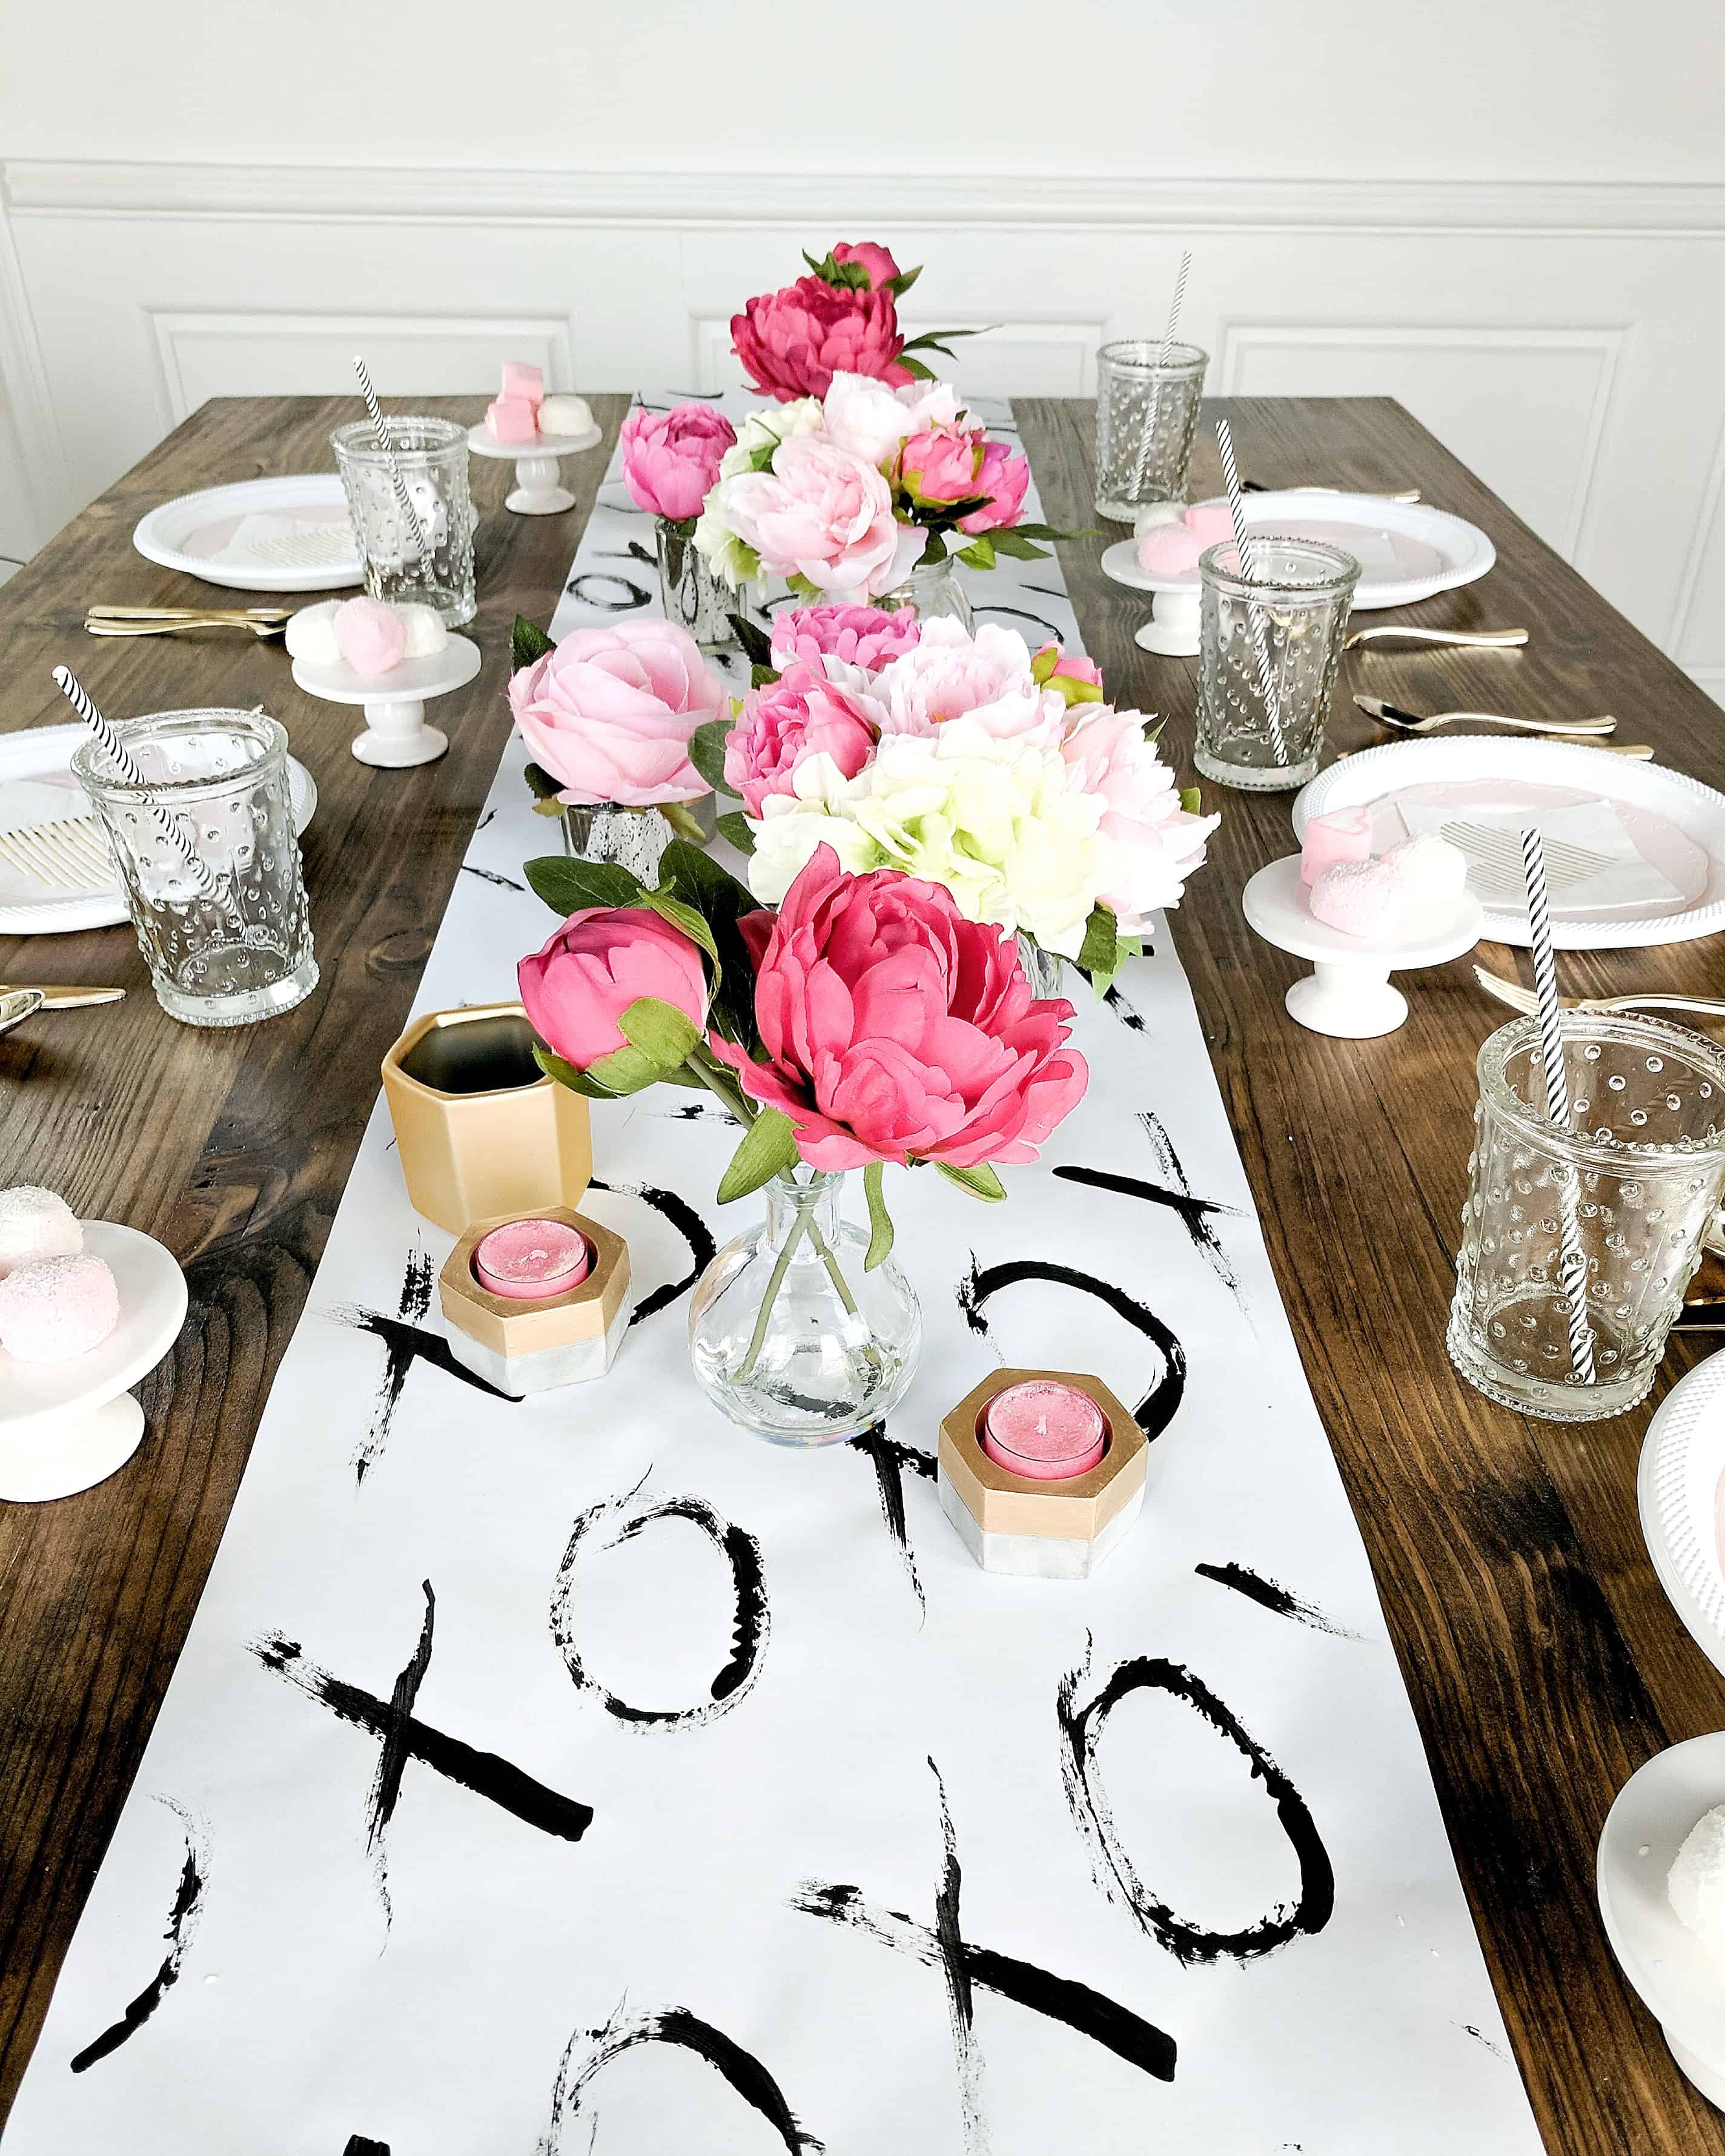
(1543, 1659)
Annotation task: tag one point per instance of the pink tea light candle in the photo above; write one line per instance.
(530, 1260)
(1343, 835)
(1045, 1430)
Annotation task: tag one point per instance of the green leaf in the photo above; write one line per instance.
(979, 554)
(625, 1071)
(1153, 726)
(663, 1033)
(763, 677)
(899, 285)
(1032, 530)
(768, 1148)
(681, 822)
(915, 369)
(934, 551)
(880, 1220)
(719, 900)
(980, 1182)
(683, 917)
(542, 786)
(527, 643)
(846, 276)
(1099, 953)
(1192, 800)
(707, 753)
(933, 339)
(734, 825)
(567, 885)
(552, 807)
(756, 645)
(712, 890)
(1011, 540)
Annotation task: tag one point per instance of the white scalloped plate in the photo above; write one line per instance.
(1677, 1489)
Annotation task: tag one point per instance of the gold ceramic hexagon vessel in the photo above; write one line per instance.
(521, 1347)
(1040, 1530)
(480, 1128)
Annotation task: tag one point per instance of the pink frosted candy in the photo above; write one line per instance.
(35, 1224)
(1345, 835)
(522, 384)
(513, 419)
(1211, 523)
(1169, 549)
(372, 636)
(56, 1308)
(1360, 898)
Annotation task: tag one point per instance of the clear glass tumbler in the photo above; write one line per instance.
(1146, 412)
(218, 788)
(1634, 1181)
(431, 457)
(1269, 647)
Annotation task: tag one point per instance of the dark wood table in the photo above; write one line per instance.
(1543, 1660)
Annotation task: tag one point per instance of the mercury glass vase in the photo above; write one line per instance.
(606, 831)
(1043, 969)
(789, 1335)
(692, 596)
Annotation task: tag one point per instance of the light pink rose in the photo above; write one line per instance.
(898, 1030)
(861, 636)
(792, 342)
(875, 259)
(822, 513)
(801, 714)
(1004, 477)
(951, 673)
(609, 711)
(594, 966)
(670, 460)
(1078, 679)
(1158, 844)
(938, 467)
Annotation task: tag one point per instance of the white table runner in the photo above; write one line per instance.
(582, 1774)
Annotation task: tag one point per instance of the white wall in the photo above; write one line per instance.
(1509, 212)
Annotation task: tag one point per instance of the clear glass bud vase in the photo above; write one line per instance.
(789, 1335)
(692, 596)
(935, 593)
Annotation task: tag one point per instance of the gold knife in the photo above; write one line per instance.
(68, 999)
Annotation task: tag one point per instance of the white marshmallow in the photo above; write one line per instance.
(1157, 512)
(1695, 1885)
(1432, 875)
(565, 415)
(36, 1224)
(312, 635)
(425, 625)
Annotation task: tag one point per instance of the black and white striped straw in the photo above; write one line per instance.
(1248, 561)
(1154, 411)
(130, 774)
(405, 501)
(1571, 1267)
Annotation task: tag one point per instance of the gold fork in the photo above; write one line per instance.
(1524, 1000)
(98, 613)
(102, 625)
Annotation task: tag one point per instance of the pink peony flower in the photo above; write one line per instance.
(1003, 475)
(610, 712)
(1158, 844)
(670, 460)
(940, 466)
(1078, 679)
(949, 674)
(898, 1030)
(792, 342)
(823, 514)
(862, 636)
(875, 259)
(801, 714)
(594, 966)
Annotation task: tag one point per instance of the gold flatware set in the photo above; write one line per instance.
(17, 1004)
(173, 621)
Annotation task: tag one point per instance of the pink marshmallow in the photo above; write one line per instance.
(1169, 549)
(1211, 523)
(1360, 898)
(372, 636)
(56, 1308)
(1345, 835)
(523, 382)
(513, 419)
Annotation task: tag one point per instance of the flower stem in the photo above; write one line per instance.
(828, 1259)
(758, 1339)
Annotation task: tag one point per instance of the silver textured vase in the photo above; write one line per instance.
(634, 838)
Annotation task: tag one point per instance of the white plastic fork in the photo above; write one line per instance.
(72, 853)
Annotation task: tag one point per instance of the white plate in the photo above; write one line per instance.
(293, 534)
(29, 908)
(1677, 1489)
(1673, 821)
(1406, 550)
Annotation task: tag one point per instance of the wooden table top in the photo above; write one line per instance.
(1544, 1661)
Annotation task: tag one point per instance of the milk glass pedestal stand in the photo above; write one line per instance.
(396, 734)
(1171, 629)
(538, 491)
(66, 1425)
(1348, 994)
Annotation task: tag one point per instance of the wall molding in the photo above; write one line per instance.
(23, 375)
(803, 200)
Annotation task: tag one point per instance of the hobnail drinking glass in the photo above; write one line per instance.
(1146, 412)
(431, 457)
(1281, 628)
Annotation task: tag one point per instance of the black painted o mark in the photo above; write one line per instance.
(1160, 1404)
(1081, 1734)
(618, 1520)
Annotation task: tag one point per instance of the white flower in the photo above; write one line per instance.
(760, 434)
(731, 556)
(999, 822)
(866, 418)
(931, 404)
(1156, 844)
(950, 674)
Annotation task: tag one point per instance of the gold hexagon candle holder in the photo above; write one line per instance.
(481, 1131)
(523, 1347)
(1040, 1530)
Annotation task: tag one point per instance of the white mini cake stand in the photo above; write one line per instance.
(396, 733)
(538, 492)
(1679, 1980)
(66, 1425)
(1349, 993)
(1172, 626)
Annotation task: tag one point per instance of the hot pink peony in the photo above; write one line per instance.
(940, 466)
(898, 1030)
(949, 674)
(862, 636)
(875, 259)
(823, 514)
(801, 714)
(610, 712)
(1157, 843)
(1003, 475)
(594, 966)
(792, 342)
(671, 458)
